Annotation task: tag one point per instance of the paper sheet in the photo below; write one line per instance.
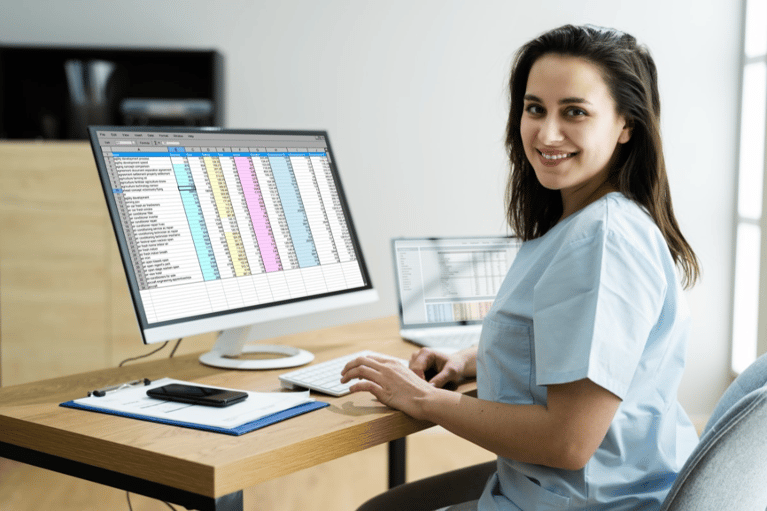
(133, 400)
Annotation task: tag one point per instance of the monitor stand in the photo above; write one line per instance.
(233, 342)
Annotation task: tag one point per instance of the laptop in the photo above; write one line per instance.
(445, 286)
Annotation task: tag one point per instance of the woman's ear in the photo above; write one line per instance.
(625, 135)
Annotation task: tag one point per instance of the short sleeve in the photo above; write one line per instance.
(593, 311)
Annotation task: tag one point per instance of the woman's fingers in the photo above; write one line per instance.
(360, 368)
(426, 360)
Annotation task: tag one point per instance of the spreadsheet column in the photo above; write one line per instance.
(278, 226)
(162, 235)
(293, 207)
(333, 209)
(314, 209)
(254, 221)
(195, 216)
(238, 261)
(214, 288)
(122, 209)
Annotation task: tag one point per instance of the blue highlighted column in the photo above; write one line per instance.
(194, 216)
(293, 207)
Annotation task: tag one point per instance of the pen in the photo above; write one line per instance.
(112, 388)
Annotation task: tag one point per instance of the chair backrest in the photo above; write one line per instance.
(754, 377)
(728, 468)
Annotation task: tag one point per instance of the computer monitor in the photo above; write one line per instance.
(221, 229)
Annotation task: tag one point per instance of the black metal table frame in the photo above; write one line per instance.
(190, 500)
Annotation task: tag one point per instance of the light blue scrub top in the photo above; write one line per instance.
(596, 297)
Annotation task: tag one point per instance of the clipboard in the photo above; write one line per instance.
(258, 411)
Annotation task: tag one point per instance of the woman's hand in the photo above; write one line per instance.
(440, 369)
(390, 382)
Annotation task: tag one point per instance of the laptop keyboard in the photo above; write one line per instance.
(454, 341)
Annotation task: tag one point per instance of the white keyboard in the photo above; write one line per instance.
(325, 376)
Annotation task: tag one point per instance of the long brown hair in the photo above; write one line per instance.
(640, 173)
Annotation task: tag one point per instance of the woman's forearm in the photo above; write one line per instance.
(512, 431)
(563, 434)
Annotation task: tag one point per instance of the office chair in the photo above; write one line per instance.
(727, 471)
(728, 468)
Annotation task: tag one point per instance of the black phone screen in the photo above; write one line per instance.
(197, 395)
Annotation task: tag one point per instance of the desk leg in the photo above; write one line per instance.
(397, 458)
(231, 502)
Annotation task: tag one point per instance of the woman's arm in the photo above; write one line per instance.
(563, 434)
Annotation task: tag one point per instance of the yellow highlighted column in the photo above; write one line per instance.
(226, 214)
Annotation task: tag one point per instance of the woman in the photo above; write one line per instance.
(582, 352)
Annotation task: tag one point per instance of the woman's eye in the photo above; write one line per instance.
(534, 109)
(575, 112)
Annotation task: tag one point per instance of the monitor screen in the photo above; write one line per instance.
(220, 229)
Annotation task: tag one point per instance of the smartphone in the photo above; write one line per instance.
(197, 395)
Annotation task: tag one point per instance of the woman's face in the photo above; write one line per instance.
(570, 128)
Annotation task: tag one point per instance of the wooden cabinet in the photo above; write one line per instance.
(64, 303)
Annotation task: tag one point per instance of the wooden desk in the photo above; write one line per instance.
(200, 470)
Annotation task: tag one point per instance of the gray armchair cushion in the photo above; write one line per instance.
(728, 469)
(754, 377)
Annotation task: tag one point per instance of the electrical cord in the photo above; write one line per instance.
(130, 508)
(173, 352)
(143, 356)
(178, 343)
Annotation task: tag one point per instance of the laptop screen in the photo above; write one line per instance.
(449, 281)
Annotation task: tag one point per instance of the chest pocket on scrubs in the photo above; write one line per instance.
(505, 362)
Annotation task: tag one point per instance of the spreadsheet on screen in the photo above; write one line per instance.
(225, 221)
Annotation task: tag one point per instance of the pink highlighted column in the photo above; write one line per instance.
(258, 215)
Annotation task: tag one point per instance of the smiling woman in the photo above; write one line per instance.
(582, 351)
(571, 130)
(626, 72)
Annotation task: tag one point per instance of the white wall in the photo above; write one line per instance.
(413, 96)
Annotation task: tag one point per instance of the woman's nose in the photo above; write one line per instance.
(550, 131)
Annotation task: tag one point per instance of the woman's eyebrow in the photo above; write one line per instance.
(567, 101)
(563, 101)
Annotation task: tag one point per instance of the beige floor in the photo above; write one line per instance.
(340, 485)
